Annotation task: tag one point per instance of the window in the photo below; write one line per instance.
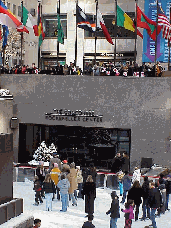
(8, 5)
(109, 22)
(50, 24)
(33, 12)
(19, 11)
(14, 9)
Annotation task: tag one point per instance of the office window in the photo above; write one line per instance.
(8, 5)
(19, 11)
(14, 9)
(50, 24)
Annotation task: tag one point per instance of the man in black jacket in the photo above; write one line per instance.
(168, 191)
(59, 69)
(145, 188)
(154, 202)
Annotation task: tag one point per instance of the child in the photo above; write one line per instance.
(64, 186)
(37, 223)
(48, 186)
(120, 175)
(129, 214)
(89, 224)
(37, 188)
(114, 210)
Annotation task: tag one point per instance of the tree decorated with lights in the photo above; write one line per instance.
(43, 153)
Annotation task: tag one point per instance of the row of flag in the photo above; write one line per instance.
(83, 21)
(123, 20)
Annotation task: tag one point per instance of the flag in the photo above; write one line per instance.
(5, 35)
(60, 29)
(144, 22)
(101, 25)
(163, 21)
(7, 18)
(29, 21)
(123, 20)
(40, 28)
(83, 21)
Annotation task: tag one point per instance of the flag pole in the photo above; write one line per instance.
(96, 32)
(76, 36)
(21, 34)
(169, 45)
(39, 35)
(156, 40)
(135, 47)
(115, 32)
(58, 14)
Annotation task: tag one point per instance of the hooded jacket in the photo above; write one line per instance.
(114, 209)
(64, 186)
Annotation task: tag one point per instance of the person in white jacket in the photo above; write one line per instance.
(136, 175)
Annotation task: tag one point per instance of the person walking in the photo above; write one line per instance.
(168, 191)
(55, 175)
(154, 202)
(129, 213)
(37, 187)
(49, 188)
(162, 188)
(135, 193)
(53, 160)
(114, 210)
(89, 190)
(72, 177)
(145, 188)
(40, 172)
(64, 185)
(125, 162)
(79, 181)
(126, 185)
(136, 175)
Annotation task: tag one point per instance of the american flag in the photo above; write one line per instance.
(163, 21)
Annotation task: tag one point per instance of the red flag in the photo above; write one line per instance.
(144, 22)
(0, 35)
(101, 24)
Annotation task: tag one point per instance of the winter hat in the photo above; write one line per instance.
(113, 194)
(78, 167)
(55, 165)
(65, 161)
(41, 163)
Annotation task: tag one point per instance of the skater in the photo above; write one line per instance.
(64, 185)
(79, 181)
(40, 172)
(136, 175)
(37, 223)
(129, 213)
(120, 176)
(53, 160)
(49, 188)
(89, 190)
(55, 175)
(38, 189)
(145, 188)
(89, 224)
(114, 210)
(126, 185)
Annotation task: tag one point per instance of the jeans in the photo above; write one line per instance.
(49, 201)
(113, 222)
(124, 196)
(136, 211)
(121, 187)
(145, 208)
(64, 199)
(75, 194)
(79, 189)
(152, 217)
(73, 199)
(167, 201)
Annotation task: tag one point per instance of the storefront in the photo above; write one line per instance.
(135, 113)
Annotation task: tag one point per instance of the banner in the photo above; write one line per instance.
(150, 10)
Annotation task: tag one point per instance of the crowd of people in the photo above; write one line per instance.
(145, 70)
(70, 183)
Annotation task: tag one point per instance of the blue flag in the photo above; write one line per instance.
(5, 35)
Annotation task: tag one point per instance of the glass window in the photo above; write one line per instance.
(50, 24)
(123, 146)
(14, 9)
(19, 11)
(8, 5)
(123, 135)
